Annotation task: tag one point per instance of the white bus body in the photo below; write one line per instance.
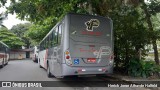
(4, 54)
(35, 54)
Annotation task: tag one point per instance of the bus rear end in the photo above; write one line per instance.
(90, 47)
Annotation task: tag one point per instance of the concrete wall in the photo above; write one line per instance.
(14, 55)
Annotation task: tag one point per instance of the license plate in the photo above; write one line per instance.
(91, 60)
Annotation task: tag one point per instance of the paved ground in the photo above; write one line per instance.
(26, 70)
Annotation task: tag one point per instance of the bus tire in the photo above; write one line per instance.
(48, 71)
(6, 63)
(2, 64)
(39, 64)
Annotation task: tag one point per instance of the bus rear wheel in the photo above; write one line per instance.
(48, 71)
(7, 63)
(1, 66)
(40, 64)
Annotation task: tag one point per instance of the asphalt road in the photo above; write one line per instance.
(27, 70)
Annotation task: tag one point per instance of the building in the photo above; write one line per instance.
(20, 54)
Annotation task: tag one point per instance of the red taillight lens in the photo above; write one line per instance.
(67, 57)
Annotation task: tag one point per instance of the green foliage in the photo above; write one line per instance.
(140, 68)
(130, 34)
(2, 17)
(43, 9)
(134, 67)
(2, 2)
(10, 39)
(20, 30)
(37, 32)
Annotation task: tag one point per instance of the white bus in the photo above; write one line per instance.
(78, 45)
(35, 54)
(4, 54)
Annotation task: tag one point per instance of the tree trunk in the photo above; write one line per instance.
(156, 56)
(148, 18)
(90, 7)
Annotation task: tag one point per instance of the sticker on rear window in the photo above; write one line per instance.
(93, 23)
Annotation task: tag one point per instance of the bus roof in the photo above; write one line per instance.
(4, 44)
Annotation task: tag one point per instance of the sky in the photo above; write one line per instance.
(11, 20)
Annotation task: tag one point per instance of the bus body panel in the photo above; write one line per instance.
(55, 61)
(35, 54)
(67, 70)
(4, 54)
(66, 36)
(55, 56)
(42, 58)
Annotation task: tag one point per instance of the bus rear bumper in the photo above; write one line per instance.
(67, 70)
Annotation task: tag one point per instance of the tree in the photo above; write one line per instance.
(150, 27)
(20, 30)
(10, 39)
(37, 32)
(3, 15)
(149, 10)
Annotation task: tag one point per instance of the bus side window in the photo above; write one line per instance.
(1, 47)
(47, 42)
(59, 34)
(50, 40)
(52, 37)
(43, 45)
(55, 41)
(6, 49)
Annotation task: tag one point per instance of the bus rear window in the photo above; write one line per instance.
(90, 26)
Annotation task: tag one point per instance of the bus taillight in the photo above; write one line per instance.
(68, 58)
